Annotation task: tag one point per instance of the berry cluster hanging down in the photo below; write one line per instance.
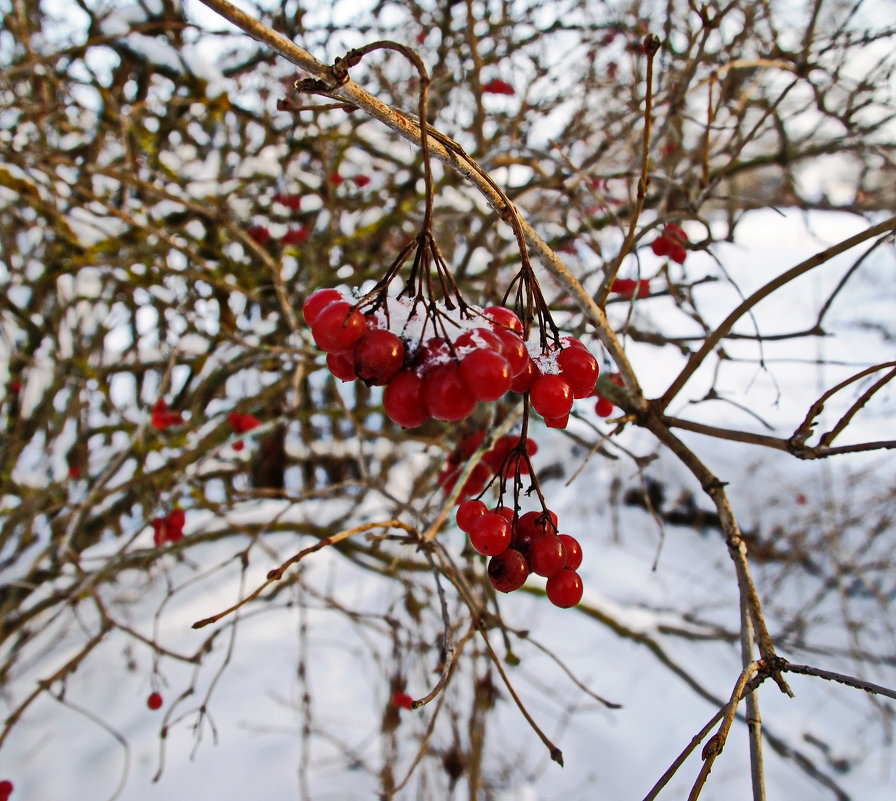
(518, 545)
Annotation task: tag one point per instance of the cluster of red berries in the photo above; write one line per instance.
(169, 528)
(154, 701)
(440, 377)
(493, 462)
(518, 545)
(241, 422)
(630, 288)
(672, 242)
(6, 788)
(161, 417)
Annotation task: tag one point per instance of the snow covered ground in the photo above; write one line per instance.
(656, 595)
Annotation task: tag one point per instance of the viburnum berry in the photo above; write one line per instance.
(508, 571)
(446, 395)
(672, 242)
(502, 317)
(403, 400)
(161, 417)
(402, 700)
(513, 349)
(490, 534)
(241, 422)
(630, 288)
(557, 422)
(154, 701)
(523, 380)
(337, 327)
(546, 555)
(468, 512)
(259, 234)
(603, 407)
(6, 788)
(477, 338)
(551, 396)
(169, 528)
(317, 301)
(432, 353)
(486, 374)
(506, 512)
(379, 355)
(580, 369)
(564, 588)
(342, 365)
(475, 482)
(573, 551)
(295, 235)
(497, 87)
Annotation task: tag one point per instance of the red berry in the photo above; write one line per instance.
(259, 233)
(477, 338)
(573, 551)
(467, 514)
(580, 369)
(154, 701)
(564, 588)
(513, 349)
(523, 380)
(446, 395)
(317, 301)
(490, 534)
(531, 526)
(547, 555)
(475, 482)
(6, 788)
(497, 87)
(508, 571)
(551, 396)
(241, 422)
(486, 373)
(338, 327)
(342, 365)
(603, 407)
(557, 422)
(469, 444)
(379, 355)
(361, 181)
(403, 400)
(402, 700)
(505, 511)
(294, 236)
(432, 353)
(502, 317)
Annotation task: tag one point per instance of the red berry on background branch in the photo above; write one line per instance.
(402, 700)
(630, 288)
(154, 701)
(497, 87)
(161, 417)
(6, 788)
(672, 242)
